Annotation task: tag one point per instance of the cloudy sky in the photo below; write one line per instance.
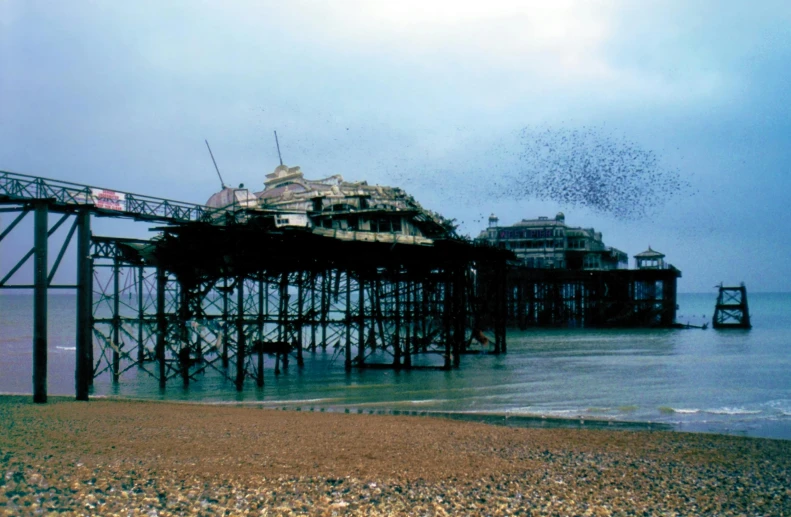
(441, 98)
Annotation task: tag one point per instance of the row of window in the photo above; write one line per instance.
(531, 245)
(529, 234)
(541, 262)
(543, 244)
(384, 225)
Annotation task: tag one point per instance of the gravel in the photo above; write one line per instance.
(117, 457)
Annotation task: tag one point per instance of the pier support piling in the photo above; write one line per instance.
(84, 342)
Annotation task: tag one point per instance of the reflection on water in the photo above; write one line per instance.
(720, 381)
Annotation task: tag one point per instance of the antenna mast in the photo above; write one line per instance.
(278, 149)
(215, 164)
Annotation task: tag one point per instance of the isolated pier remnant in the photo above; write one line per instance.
(731, 311)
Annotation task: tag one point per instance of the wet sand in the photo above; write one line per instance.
(110, 457)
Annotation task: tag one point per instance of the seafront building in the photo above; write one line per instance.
(545, 243)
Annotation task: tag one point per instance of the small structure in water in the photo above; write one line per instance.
(731, 311)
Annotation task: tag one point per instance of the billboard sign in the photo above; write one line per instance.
(108, 199)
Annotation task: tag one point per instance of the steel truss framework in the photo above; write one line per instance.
(227, 321)
(40, 278)
(731, 310)
(221, 290)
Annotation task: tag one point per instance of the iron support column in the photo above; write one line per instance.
(161, 326)
(225, 326)
(361, 321)
(397, 323)
(410, 325)
(83, 368)
(140, 316)
(458, 315)
(446, 316)
(348, 362)
(284, 299)
(116, 337)
(300, 317)
(259, 378)
(240, 338)
(40, 304)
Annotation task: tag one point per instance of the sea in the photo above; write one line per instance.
(734, 382)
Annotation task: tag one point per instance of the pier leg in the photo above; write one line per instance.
(83, 367)
(361, 321)
(116, 338)
(424, 315)
(348, 362)
(240, 337)
(397, 320)
(447, 308)
(459, 314)
(140, 317)
(225, 318)
(325, 294)
(184, 344)
(259, 380)
(312, 311)
(40, 305)
(284, 298)
(161, 326)
(300, 317)
(500, 320)
(410, 323)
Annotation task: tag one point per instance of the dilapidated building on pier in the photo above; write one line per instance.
(545, 243)
(566, 276)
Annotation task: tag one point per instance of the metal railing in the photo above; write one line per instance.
(16, 187)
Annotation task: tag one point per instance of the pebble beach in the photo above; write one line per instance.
(127, 458)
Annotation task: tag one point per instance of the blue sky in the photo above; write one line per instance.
(432, 96)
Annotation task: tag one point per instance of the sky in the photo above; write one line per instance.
(440, 98)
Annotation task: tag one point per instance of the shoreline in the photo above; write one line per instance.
(109, 455)
(504, 419)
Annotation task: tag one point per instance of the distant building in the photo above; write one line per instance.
(551, 244)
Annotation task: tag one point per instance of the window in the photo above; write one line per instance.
(384, 225)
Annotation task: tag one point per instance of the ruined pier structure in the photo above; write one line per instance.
(566, 276)
(218, 289)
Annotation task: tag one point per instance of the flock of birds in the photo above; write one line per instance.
(587, 167)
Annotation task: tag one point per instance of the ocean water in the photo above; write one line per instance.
(734, 382)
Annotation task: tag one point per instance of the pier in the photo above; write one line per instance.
(220, 288)
(591, 299)
(375, 279)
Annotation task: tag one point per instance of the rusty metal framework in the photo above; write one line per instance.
(731, 310)
(221, 290)
(178, 319)
(63, 195)
(584, 299)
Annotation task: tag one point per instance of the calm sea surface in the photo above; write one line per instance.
(736, 382)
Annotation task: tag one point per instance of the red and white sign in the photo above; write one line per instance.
(108, 199)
